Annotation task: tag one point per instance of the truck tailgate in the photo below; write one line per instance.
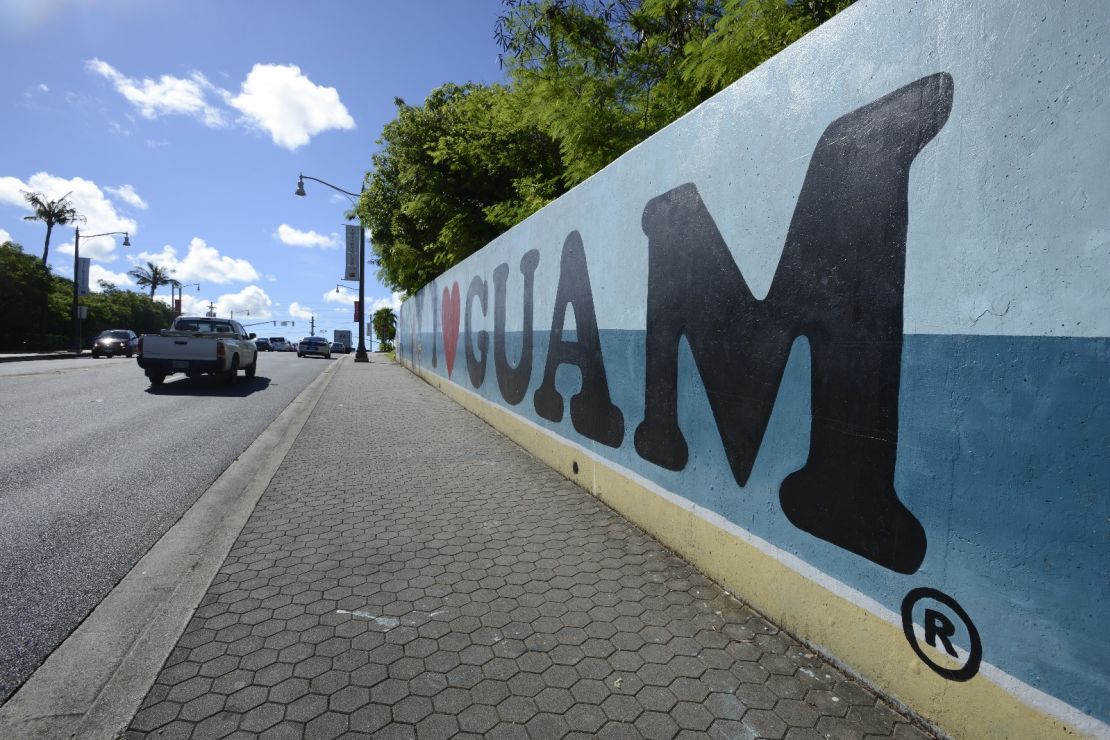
(179, 348)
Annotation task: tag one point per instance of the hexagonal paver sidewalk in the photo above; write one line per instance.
(412, 573)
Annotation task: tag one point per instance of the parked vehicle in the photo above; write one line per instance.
(314, 346)
(262, 344)
(279, 344)
(338, 347)
(115, 342)
(197, 346)
(343, 336)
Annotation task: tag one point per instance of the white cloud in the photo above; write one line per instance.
(271, 278)
(191, 303)
(344, 297)
(251, 298)
(284, 102)
(96, 272)
(276, 98)
(203, 264)
(296, 238)
(347, 298)
(394, 302)
(156, 143)
(43, 87)
(167, 96)
(89, 200)
(299, 312)
(5, 236)
(127, 194)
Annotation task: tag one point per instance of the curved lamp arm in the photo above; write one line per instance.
(302, 178)
(126, 236)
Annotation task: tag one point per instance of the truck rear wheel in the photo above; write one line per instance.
(251, 368)
(156, 378)
(232, 373)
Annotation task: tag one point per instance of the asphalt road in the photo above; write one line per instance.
(95, 466)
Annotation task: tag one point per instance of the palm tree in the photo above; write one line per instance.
(51, 212)
(385, 326)
(151, 275)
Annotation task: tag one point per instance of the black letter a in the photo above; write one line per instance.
(591, 410)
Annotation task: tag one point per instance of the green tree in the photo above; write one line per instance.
(451, 175)
(52, 213)
(600, 76)
(151, 276)
(748, 33)
(124, 309)
(25, 288)
(590, 79)
(384, 321)
(24, 293)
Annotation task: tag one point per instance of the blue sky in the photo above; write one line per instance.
(186, 123)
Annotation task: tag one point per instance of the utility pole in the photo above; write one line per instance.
(211, 310)
(312, 327)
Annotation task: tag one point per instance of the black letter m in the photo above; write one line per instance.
(839, 283)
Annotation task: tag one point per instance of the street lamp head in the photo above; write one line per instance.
(300, 187)
(126, 239)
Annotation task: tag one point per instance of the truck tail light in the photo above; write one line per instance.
(140, 345)
(219, 350)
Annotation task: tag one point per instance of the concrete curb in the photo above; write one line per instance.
(45, 356)
(93, 684)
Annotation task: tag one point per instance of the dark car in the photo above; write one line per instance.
(115, 342)
(263, 344)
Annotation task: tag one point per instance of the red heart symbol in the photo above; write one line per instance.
(450, 310)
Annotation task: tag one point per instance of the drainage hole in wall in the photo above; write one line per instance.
(574, 467)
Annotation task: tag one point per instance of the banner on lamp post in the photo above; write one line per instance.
(351, 272)
(358, 312)
(83, 275)
(177, 306)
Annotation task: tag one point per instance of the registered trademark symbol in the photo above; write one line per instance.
(940, 627)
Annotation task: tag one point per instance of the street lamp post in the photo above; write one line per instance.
(76, 287)
(180, 288)
(360, 354)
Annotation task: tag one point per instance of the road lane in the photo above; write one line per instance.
(95, 466)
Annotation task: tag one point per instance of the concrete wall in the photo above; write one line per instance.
(839, 336)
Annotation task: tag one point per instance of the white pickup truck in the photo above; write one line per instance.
(197, 346)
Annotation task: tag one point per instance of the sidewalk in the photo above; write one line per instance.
(410, 572)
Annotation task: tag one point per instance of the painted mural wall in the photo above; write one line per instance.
(840, 336)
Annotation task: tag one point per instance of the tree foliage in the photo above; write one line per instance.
(53, 213)
(25, 287)
(152, 276)
(589, 79)
(384, 321)
(452, 174)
